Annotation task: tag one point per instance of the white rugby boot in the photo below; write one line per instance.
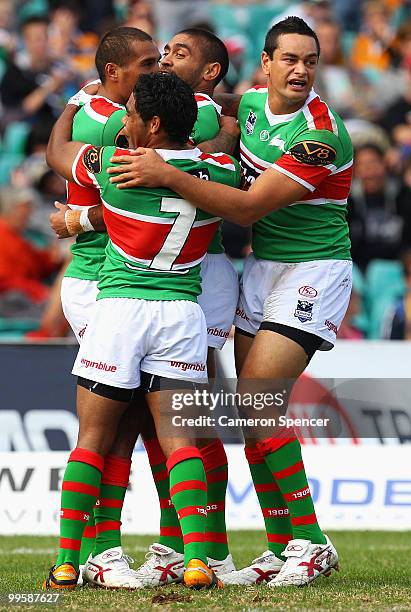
(111, 570)
(305, 563)
(262, 570)
(163, 565)
(226, 566)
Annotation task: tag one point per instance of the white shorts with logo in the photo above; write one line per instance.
(78, 296)
(312, 296)
(124, 336)
(219, 297)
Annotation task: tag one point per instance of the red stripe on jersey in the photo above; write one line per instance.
(309, 519)
(319, 111)
(314, 175)
(265, 488)
(251, 161)
(89, 532)
(223, 160)
(189, 538)
(171, 532)
(279, 538)
(289, 471)
(82, 196)
(214, 536)
(80, 170)
(70, 544)
(80, 487)
(201, 98)
(144, 239)
(259, 87)
(107, 526)
(188, 485)
(103, 107)
(190, 510)
(74, 515)
(335, 187)
(110, 503)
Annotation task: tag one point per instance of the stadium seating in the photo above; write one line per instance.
(384, 284)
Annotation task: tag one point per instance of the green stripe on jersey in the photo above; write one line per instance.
(88, 252)
(157, 239)
(304, 231)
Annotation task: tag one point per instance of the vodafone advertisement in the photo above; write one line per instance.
(358, 468)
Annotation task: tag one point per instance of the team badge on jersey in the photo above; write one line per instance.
(304, 311)
(250, 123)
(92, 159)
(264, 135)
(313, 153)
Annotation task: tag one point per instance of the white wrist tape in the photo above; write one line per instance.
(85, 221)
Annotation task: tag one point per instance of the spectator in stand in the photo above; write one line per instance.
(379, 208)
(23, 267)
(8, 39)
(335, 81)
(172, 16)
(31, 83)
(68, 42)
(398, 322)
(348, 329)
(140, 15)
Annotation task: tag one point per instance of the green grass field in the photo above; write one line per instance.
(375, 574)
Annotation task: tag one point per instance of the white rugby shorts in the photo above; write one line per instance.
(312, 296)
(219, 297)
(78, 297)
(124, 336)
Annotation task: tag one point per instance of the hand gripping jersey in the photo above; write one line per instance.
(207, 127)
(98, 122)
(157, 239)
(312, 147)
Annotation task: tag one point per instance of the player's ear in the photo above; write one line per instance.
(111, 71)
(265, 63)
(212, 71)
(155, 124)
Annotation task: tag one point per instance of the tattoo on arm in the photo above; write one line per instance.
(228, 102)
(222, 143)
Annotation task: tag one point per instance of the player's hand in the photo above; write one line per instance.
(58, 221)
(229, 125)
(143, 168)
(83, 96)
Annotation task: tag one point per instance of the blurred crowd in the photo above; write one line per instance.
(47, 53)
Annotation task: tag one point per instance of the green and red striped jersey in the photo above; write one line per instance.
(157, 240)
(98, 122)
(311, 146)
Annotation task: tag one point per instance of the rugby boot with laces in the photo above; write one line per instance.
(163, 565)
(305, 563)
(198, 575)
(262, 570)
(111, 570)
(226, 566)
(62, 577)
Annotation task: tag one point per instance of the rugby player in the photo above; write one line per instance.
(297, 158)
(146, 316)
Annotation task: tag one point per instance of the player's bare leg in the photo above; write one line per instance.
(188, 491)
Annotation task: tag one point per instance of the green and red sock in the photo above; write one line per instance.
(170, 530)
(216, 469)
(80, 490)
(107, 513)
(188, 491)
(283, 457)
(88, 540)
(273, 506)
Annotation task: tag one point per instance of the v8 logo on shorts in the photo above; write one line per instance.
(304, 311)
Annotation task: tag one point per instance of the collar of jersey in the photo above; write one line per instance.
(167, 154)
(277, 119)
(98, 97)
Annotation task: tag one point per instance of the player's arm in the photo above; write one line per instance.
(271, 191)
(61, 151)
(228, 102)
(226, 140)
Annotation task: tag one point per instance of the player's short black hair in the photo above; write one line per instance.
(165, 95)
(212, 49)
(290, 25)
(117, 46)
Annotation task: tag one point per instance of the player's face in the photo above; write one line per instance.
(144, 61)
(291, 71)
(136, 131)
(182, 56)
